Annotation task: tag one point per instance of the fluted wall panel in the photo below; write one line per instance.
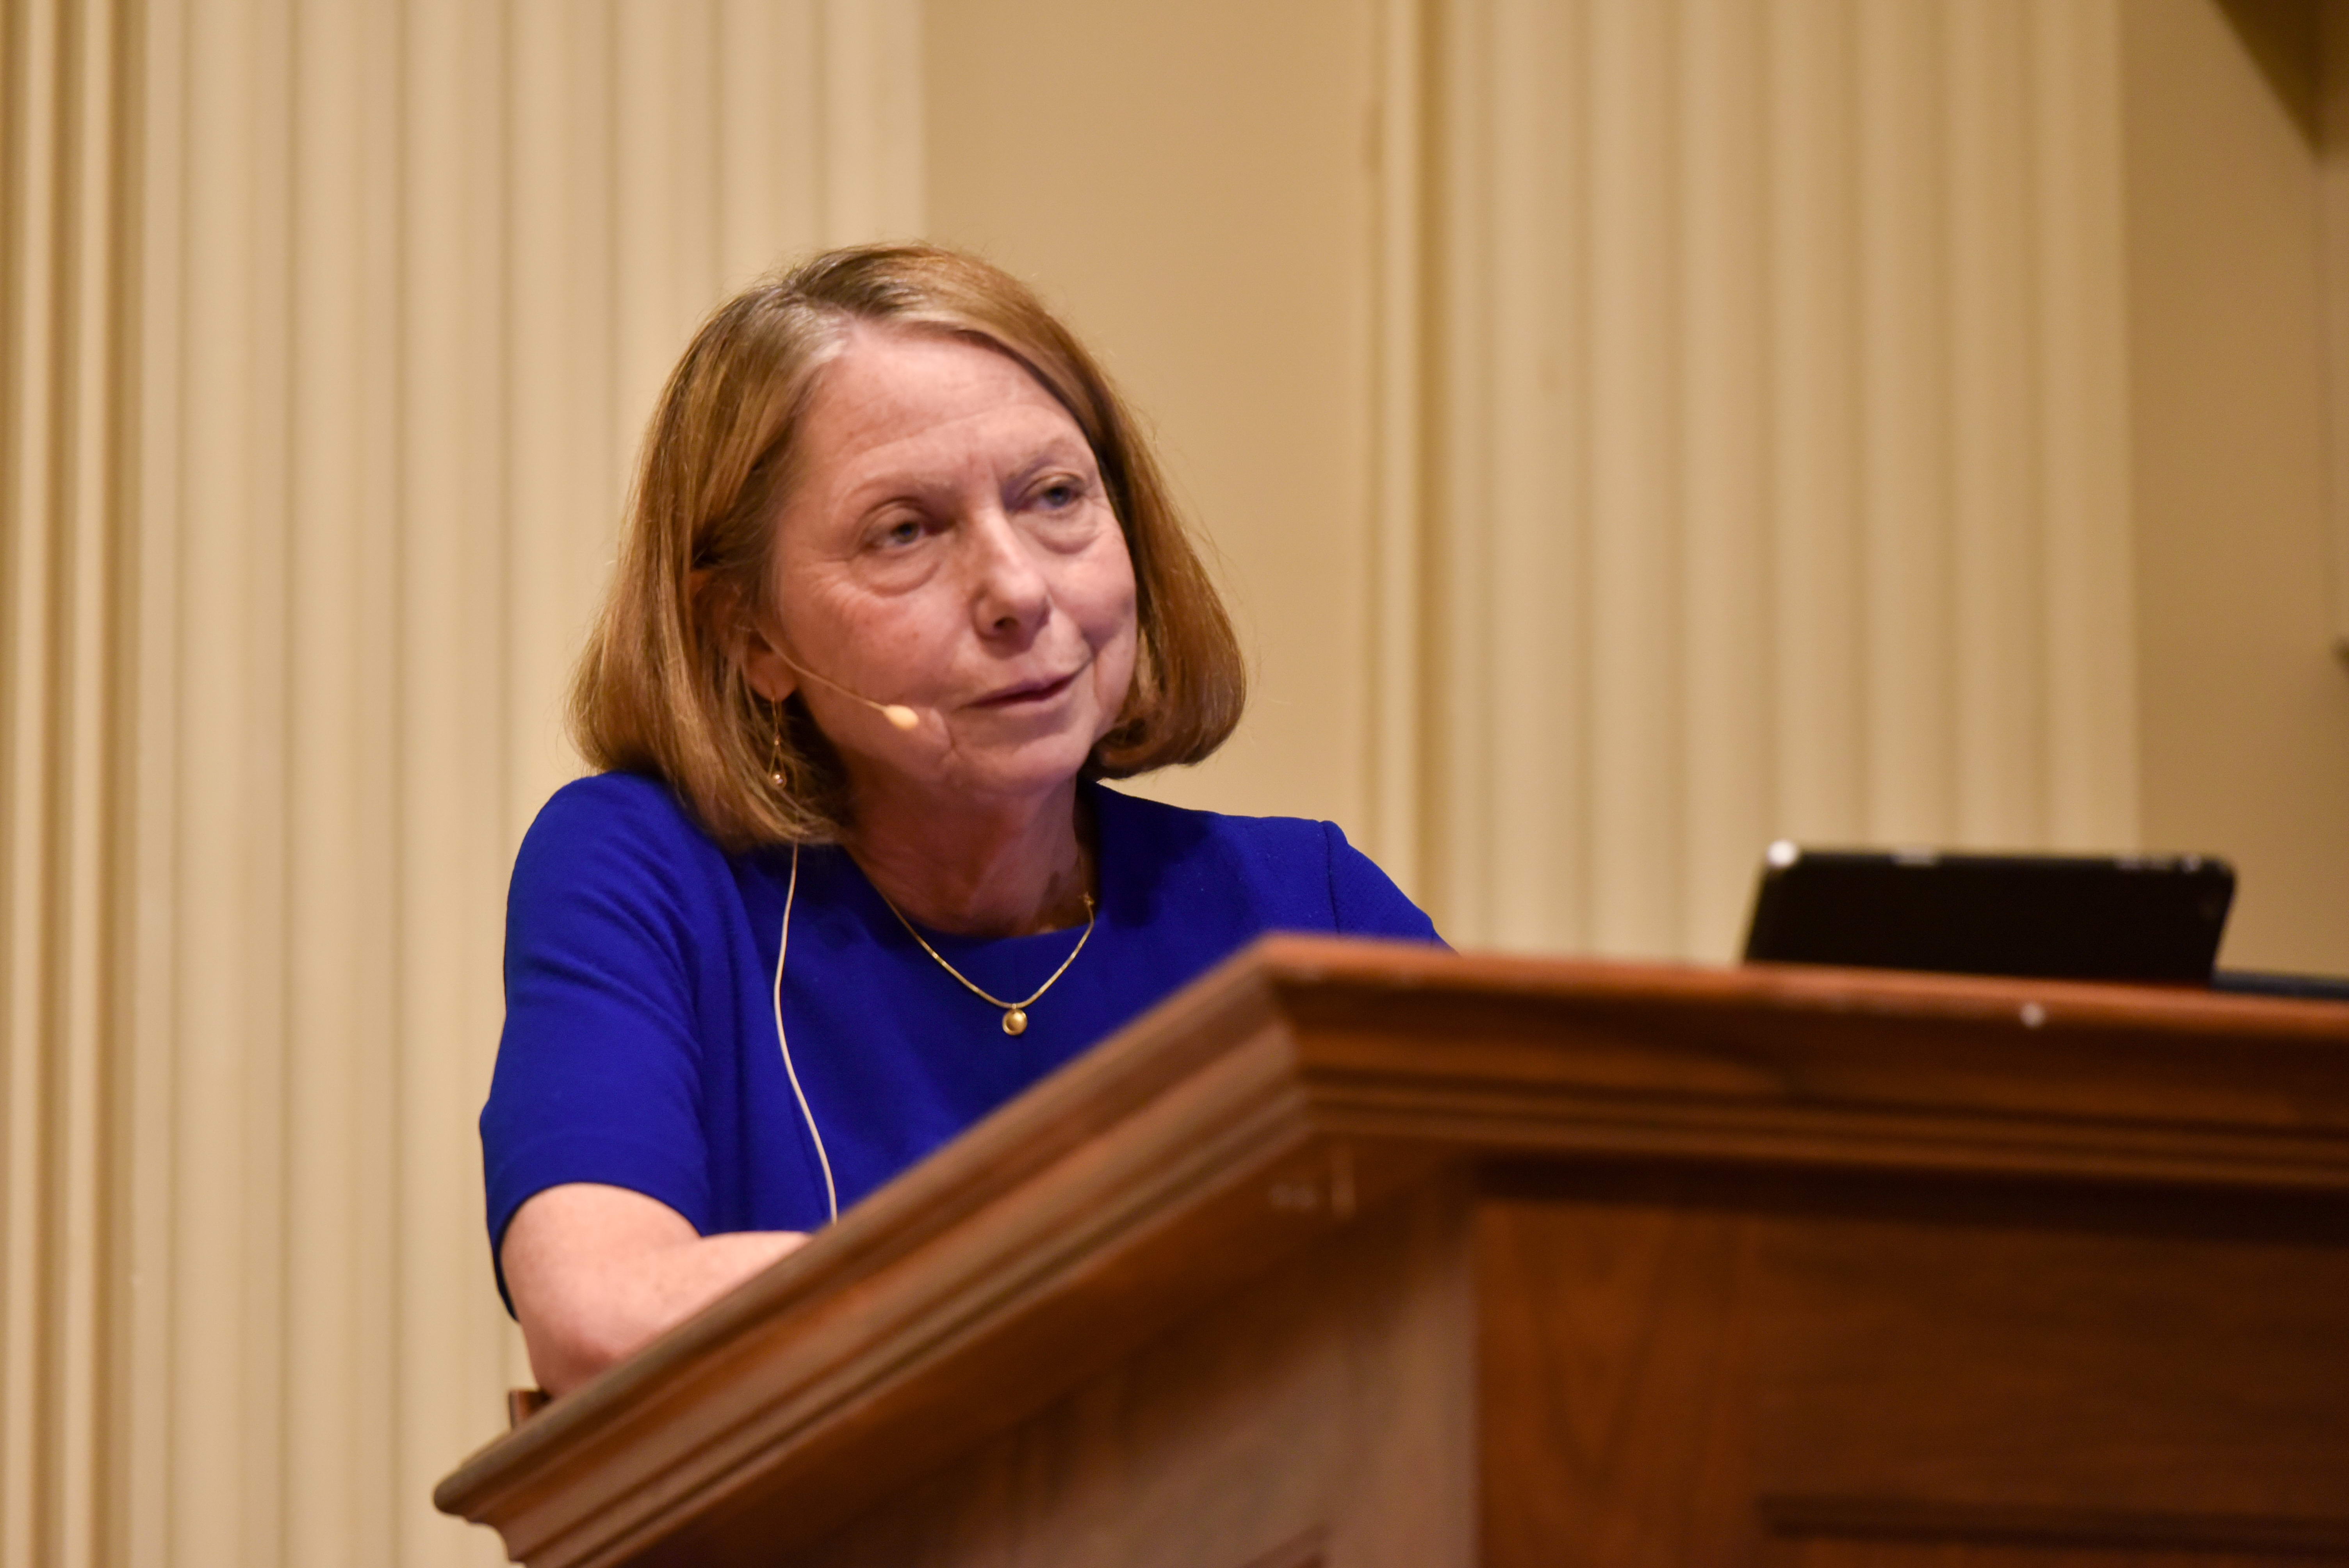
(330, 329)
(1777, 450)
(62, 332)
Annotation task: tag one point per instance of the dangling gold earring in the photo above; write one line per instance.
(775, 751)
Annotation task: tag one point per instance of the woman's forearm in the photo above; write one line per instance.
(597, 1272)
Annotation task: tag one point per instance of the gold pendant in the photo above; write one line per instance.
(1015, 1021)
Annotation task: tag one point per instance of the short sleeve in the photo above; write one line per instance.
(1365, 899)
(598, 1072)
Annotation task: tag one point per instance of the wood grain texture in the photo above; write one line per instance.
(1837, 1068)
(1616, 1418)
(1997, 1365)
(1686, 1369)
(1830, 1527)
(1950, 1554)
(1318, 1415)
(1307, 1082)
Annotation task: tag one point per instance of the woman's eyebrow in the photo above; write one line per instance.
(1061, 452)
(887, 487)
(865, 496)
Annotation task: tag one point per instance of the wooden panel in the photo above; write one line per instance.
(2134, 1372)
(1615, 1424)
(1310, 1079)
(1862, 1525)
(1946, 1554)
(1320, 1415)
(1700, 1369)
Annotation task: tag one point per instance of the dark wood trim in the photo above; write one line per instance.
(1894, 1519)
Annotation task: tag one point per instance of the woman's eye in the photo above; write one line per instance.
(906, 531)
(1060, 495)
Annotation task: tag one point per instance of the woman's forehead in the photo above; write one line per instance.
(894, 399)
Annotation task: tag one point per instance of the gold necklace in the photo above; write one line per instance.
(1015, 1014)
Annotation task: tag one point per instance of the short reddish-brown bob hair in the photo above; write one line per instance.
(660, 688)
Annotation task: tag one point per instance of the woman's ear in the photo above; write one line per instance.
(762, 666)
(744, 640)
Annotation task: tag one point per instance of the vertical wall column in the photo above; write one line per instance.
(327, 330)
(64, 93)
(1778, 445)
(2333, 256)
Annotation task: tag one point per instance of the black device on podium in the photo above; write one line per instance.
(2143, 918)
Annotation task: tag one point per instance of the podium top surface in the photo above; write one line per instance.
(1305, 1079)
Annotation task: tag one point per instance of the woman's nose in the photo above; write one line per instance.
(1011, 595)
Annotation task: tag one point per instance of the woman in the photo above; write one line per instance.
(901, 585)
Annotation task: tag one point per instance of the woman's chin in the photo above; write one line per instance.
(1014, 769)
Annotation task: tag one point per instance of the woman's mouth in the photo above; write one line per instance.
(1026, 694)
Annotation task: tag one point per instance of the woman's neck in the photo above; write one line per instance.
(976, 868)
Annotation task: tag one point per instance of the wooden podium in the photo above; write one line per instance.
(1354, 1254)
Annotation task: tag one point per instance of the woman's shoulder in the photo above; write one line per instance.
(599, 802)
(1297, 872)
(614, 829)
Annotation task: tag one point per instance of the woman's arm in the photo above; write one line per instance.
(596, 1272)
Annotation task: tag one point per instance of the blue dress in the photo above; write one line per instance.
(639, 1047)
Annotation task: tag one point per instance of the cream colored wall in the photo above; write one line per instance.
(2243, 705)
(1194, 186)
(2326, 87)
(1864, 422)
(1633, 431)
(1781, 452)
(327, 330)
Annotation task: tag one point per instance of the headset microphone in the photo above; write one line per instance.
(897, 714)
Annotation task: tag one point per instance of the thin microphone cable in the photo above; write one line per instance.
(782, 945)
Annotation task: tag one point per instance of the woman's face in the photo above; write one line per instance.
(949, 547)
